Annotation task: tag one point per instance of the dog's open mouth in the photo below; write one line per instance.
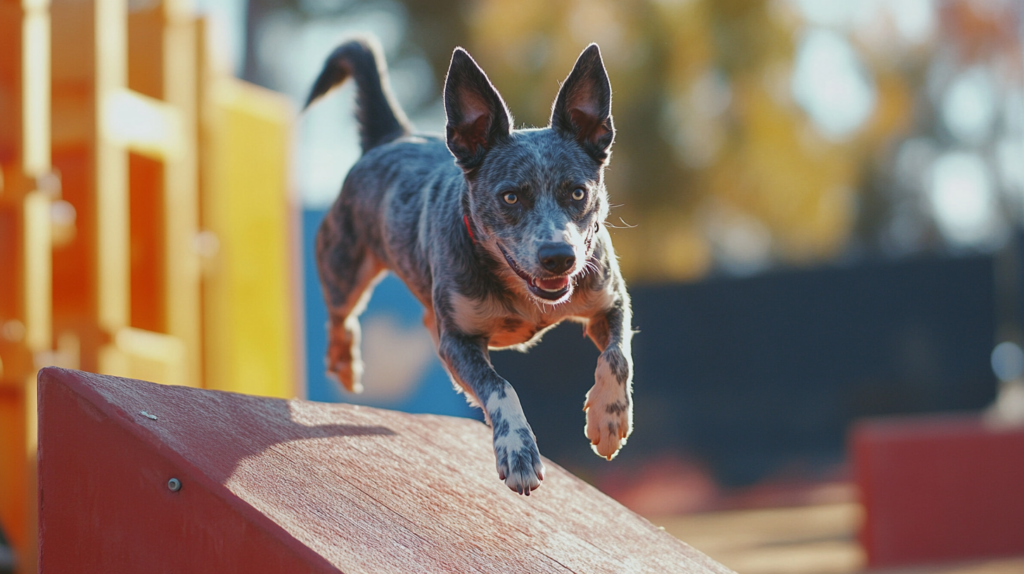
(553, 289)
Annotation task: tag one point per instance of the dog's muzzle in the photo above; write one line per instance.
(554, 289)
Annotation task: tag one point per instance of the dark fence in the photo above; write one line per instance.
(752, 376)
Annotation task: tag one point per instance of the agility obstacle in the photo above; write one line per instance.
(140, 477)
(939, 488)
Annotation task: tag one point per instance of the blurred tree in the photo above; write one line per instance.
(753, 133)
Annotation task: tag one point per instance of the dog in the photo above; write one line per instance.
(498, 232)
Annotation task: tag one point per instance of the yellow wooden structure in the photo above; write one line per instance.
(244, 335)
(27, 187)
(146, 225)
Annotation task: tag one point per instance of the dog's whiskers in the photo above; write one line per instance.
(623, 226)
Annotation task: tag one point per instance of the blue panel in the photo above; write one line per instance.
(396, 347)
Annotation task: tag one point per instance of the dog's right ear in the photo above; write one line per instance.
(476, 115)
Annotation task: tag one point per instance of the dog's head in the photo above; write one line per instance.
(536, 196)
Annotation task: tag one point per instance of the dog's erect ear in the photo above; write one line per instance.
(583, 108)
(477, 116)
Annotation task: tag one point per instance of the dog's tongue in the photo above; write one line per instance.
(553, 284)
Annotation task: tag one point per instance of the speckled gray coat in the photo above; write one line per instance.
(498, 245)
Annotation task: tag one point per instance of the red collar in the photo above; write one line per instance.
(465, 219)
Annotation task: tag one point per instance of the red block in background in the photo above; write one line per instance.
(939, 488)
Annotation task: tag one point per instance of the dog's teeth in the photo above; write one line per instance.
(555, 285)
(536, 283)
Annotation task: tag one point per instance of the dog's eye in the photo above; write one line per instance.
(510, 198)
(578, 194)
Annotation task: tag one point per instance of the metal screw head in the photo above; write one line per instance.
(174, 485)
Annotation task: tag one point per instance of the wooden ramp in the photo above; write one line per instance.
(268, 485)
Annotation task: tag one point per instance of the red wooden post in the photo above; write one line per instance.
(268, 485)
(939, 488)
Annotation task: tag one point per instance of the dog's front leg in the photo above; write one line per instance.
(609, 402)
(515, 447)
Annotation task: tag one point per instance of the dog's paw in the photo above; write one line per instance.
(343, 368)
(344, 361)
(608, 425)
(609, 408)
(343, 376)
(518, 460)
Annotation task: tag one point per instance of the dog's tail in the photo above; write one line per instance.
(380, 117)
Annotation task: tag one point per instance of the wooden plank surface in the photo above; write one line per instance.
(334, 487)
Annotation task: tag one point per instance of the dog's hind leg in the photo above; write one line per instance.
(348, 273)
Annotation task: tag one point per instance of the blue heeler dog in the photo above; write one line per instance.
(499, 245)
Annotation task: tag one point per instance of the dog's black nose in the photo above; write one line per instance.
(556, 257)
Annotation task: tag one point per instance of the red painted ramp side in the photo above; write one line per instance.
(292, 486)
(105, 506)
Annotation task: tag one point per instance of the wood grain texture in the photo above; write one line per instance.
(335, 488)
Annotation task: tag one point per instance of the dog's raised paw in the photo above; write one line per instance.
(608, 428)
(518, 461)
(609, 422)
(608, 405)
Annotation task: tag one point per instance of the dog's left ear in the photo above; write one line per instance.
(583, 108)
